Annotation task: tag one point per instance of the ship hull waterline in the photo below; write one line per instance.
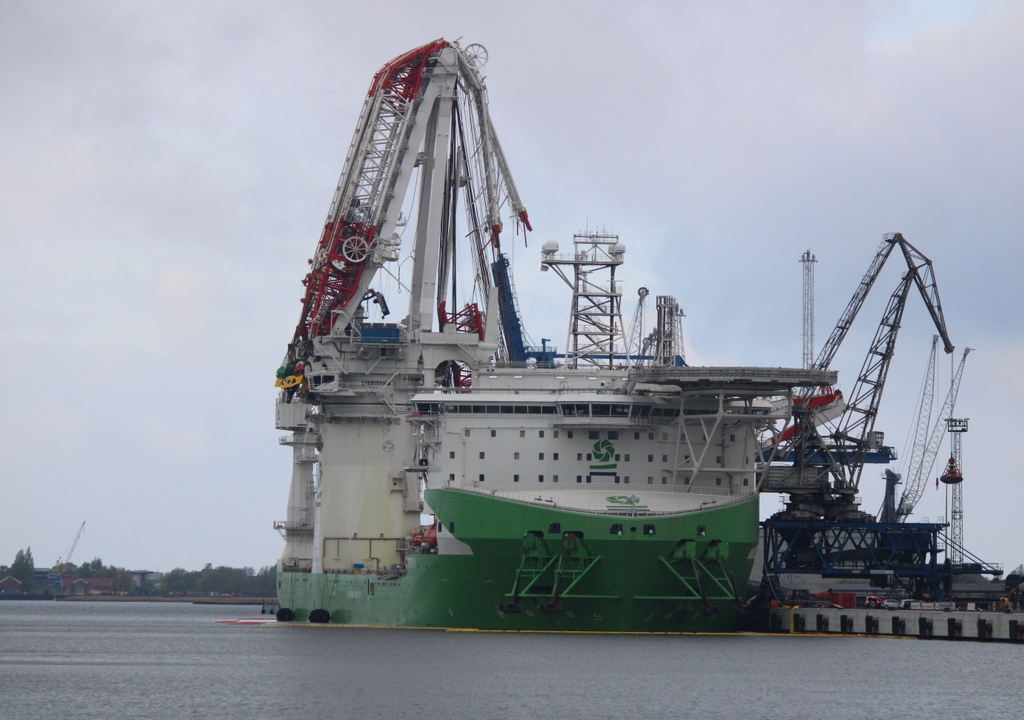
(509, 565)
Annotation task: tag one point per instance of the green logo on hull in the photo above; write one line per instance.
(603, 450)
(619, 502)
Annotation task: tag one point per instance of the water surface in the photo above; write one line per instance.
(173, 660)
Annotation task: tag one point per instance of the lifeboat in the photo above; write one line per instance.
(827, 404)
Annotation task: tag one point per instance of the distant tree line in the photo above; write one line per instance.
(210, 580)
(223, 580)
(23, 569)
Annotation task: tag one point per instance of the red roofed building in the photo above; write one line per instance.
(88, 586)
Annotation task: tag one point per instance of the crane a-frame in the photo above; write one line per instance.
(426, 111)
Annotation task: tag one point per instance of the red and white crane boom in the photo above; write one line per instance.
(425, 109)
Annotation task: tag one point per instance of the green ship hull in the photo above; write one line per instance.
(524, 567)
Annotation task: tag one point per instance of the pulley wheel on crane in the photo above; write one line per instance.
(476, 56)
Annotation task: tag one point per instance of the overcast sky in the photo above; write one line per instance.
(165, 169)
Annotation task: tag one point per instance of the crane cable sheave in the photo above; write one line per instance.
(359, 232)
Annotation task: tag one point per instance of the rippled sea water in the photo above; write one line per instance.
(174, 660)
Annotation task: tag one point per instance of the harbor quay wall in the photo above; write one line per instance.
(932, 624)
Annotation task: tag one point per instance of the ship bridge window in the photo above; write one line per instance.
(428, 408)
(640, 411)
(489, 409)
(620, 410)
(601, 410)
(672, 412)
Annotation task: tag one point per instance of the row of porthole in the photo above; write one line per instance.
(591, 434)
(619, 529)
(624, 479)
(615, 529)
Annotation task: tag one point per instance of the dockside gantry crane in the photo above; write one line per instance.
(819, 464)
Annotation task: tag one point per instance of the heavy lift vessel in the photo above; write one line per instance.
(597, 489)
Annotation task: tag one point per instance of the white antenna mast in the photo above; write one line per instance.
(808, 261)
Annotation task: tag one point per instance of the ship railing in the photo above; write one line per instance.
(616, 421)
(293, 525)
(306, 454)
(775, 376)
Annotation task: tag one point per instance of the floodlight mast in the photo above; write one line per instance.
(808, 261)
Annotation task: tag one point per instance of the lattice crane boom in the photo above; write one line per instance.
(66, 557)
(920, 442)
(819, 454)
(919, 266)
(914, 488)
(425, 109)
(858, 421)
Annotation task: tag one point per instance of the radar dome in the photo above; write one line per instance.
(551, 246)
(618, 249)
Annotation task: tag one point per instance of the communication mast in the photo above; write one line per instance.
(808, 261)
(595, 320)
(953, 476)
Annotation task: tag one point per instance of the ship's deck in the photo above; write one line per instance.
(762, 379)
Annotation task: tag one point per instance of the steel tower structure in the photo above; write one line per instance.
(595, 320)
(956, 428)
(808, 261)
